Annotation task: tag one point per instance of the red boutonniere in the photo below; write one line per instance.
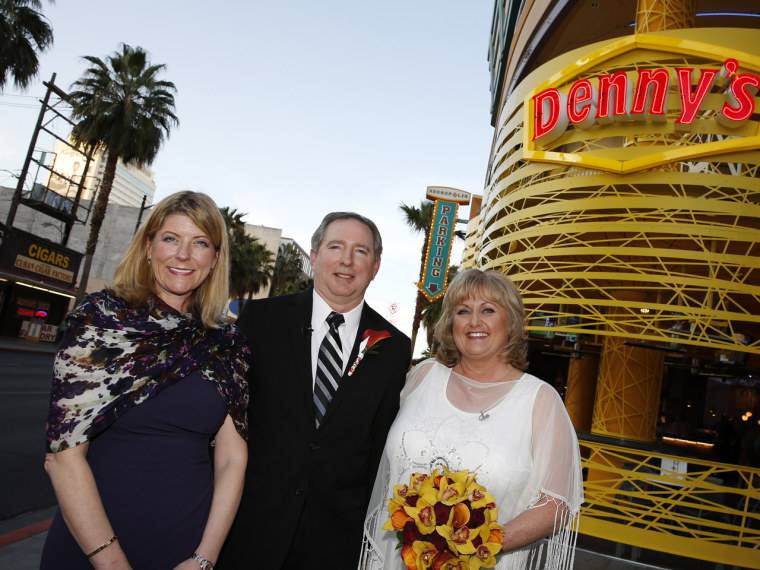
(369, 339)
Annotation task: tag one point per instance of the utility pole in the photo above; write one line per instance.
(20, 186)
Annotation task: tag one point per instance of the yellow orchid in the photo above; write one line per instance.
(484, 556)
(423, 515)
(425, 554)
(478, 495)
(401, 492)
(461, 563)
(463, 476)
(420, 482)
(447, 561)
(400, 498)
(459, 539)
(448, 493)
(397, 520)
(489, 524)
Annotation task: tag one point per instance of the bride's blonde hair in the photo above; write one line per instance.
(497, 288)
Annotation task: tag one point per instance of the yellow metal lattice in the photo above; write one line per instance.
(685, 240)
(684, 506)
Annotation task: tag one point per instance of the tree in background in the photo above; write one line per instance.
(123, 108)
(24, 32)
(250, 261)
(419, 220)
(431, 312)
(288, 276)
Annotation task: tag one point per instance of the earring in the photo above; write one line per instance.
(149, 261)
(211, 270)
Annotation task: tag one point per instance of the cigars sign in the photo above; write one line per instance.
(39, 259)
(646, 100)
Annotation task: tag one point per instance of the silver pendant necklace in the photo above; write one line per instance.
(483, 415)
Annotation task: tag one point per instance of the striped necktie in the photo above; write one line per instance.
(329, 367)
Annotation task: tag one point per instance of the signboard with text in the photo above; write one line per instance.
(37, 258)
(717, 95)
(436, 268)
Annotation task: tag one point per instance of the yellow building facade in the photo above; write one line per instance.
(623, 199)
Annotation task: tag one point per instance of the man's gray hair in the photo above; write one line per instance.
(319, 234)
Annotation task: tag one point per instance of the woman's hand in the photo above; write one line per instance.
(532, 524)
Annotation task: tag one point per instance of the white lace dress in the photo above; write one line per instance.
(522, 447)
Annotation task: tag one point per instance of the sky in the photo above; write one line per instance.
(290, 110)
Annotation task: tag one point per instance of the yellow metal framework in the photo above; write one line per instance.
(698, 509)
(654, 15)
(676, 247)
(627, 392)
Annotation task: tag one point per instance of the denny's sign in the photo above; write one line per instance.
(660, 98)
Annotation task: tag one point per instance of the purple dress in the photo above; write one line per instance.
(155, 478)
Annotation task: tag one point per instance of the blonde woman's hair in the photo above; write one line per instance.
(133, 279)
(498, 289)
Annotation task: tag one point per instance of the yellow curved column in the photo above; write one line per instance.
(658, 15)
(579, 396)
(628, 385)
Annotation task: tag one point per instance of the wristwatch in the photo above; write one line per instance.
(202, 562)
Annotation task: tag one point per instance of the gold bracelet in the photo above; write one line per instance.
(103, 546)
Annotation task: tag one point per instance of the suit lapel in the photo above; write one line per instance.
(347, 382)
(298, 321)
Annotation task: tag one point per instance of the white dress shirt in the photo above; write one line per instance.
(319, 312)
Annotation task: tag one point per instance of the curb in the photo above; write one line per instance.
(24, 347)
(25, 532)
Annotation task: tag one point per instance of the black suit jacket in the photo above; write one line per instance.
(307, 489)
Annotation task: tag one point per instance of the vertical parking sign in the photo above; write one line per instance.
(436, 270)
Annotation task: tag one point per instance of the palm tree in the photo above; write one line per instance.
(123, 108)
(288, 271)
(236, 238)
(253, 268)
(24, 31)
(419, 220)
(250, 261)
(431, 312)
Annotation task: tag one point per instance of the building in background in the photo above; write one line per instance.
(133, 185)
(303, 255)
(623, 198)
(269, 238)
(280, 248)
(38, 274)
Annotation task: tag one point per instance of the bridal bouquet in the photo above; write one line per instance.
(445, 521)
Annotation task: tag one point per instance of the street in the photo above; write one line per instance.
(24, 393)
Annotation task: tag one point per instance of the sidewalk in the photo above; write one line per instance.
(21, 541)
(22, 345)
(22, 537)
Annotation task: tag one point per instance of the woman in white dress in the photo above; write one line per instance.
(473, 408)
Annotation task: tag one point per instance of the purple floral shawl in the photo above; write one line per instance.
(113, 357)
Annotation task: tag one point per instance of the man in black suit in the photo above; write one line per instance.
(312, 464)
